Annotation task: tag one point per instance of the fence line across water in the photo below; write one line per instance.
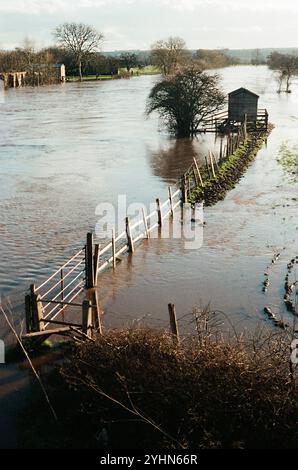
(52, 297)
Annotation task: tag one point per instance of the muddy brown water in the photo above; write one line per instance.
(65, 149)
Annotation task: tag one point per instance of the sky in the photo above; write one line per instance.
(136, 24)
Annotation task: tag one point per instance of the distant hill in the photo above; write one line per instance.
(245, 56)
(249, 55)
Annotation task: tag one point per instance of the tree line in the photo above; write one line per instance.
(78, 45)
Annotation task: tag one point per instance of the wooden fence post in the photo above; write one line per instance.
(173, 322)
(195, 177)
(62, 284)
(212, 165)
(34, 318)
(198, 171)
(87, 318)
(129, 236)
(92, 296)
(95, 262)
(145, 224)
(28, 313)
(158, 209)
(220, 151)
(207, 166)
(113, 249)
(245, 126)
(36, 323)
(39, 313)
(183, 189)
(89, 262)
(215, 162)
(171, 201)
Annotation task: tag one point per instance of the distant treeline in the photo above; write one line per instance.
(166, 55)
(241, 56)
(26, 58)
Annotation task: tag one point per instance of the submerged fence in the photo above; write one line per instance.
(49, 300)
(194, 175)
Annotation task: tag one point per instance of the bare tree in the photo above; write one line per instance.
(79, 39)
(286, 66)
(184, 100)
(170, 54)
(129, 60)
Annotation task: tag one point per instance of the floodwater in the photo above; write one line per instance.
(66, 149)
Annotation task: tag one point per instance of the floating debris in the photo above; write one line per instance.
(277, 322)
(269, 312)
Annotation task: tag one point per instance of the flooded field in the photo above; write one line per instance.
(65, 149)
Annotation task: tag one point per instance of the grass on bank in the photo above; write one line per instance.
(139, 389)
(122, 73)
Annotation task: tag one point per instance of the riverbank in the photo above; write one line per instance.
(136, 388)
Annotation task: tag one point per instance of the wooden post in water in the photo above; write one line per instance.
(158, 209)
(95, 262)
(207, 166)
(62, 284)
(87, 318)
(215, 162)
(89, 261)
(188, 185)
(92, 297)
(33, 301)
(220, 151)
(36, 311)
(195, 177)
(173, 322)
(113, 249)
(129, 236)
(28, 313)
(212, 165)
(184, 189)
(224, 152)
(238, 138)
(145, 224)
(245, 126)
(39, 313)
(198, 171)
(171, 201)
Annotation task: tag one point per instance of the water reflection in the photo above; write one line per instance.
(171, 162)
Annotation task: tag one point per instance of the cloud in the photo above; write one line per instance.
(38, 7)
(53, 6)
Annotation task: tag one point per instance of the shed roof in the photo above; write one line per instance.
(241, 90)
